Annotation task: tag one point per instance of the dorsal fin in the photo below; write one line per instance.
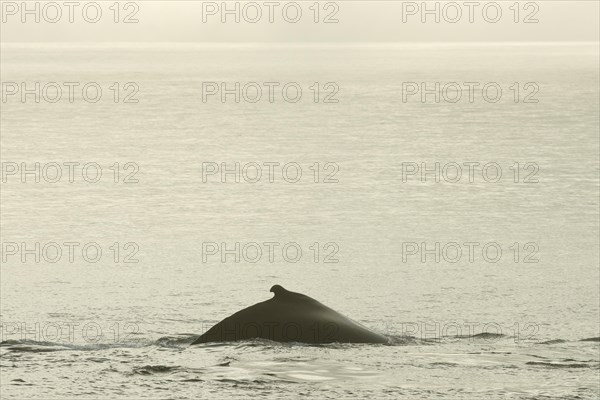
(278, 290)
(282, 294)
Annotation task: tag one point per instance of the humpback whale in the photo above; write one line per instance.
(290, 317)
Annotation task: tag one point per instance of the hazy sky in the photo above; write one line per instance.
(364, 21)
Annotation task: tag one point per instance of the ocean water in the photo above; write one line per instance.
(521, 324)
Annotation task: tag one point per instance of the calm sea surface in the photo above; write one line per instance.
(522, 324)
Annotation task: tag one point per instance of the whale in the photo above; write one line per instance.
(290, 317)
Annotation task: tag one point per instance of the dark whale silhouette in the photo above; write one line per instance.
(290, 317)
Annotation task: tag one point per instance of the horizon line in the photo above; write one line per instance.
(313, 43)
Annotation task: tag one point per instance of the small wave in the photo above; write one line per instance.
(482, 335)
(192, 380)
(553, 341)
(154, 369)
(443, 364)
(242, 381)
(29, 346)
(558, 365)
(559, 341)
(404, 340)
(592, 339)
(20, 382)
(182, 340)
(14, 342)
(32, 346)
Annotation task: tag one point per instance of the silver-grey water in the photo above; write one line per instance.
(522, 324)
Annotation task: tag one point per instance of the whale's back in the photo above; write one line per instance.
(290, 317)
